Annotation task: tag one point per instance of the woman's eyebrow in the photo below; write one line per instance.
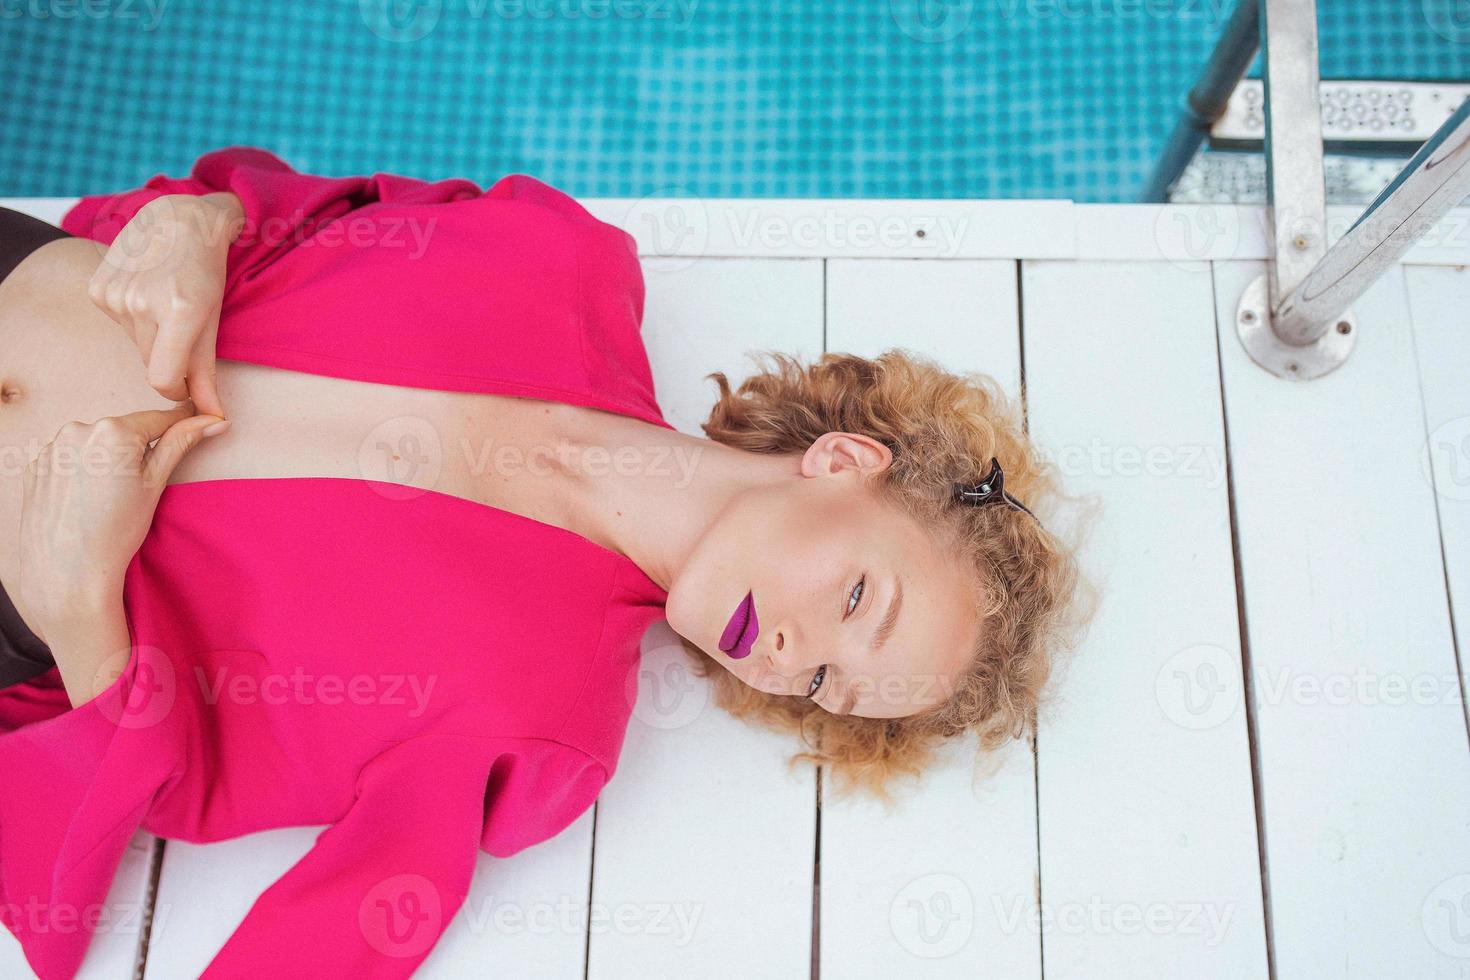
(890, 618)
(880, 637)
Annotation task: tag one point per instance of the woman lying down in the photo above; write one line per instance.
(371, 568)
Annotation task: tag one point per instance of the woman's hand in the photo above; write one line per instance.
(163, 279)
(88, 501)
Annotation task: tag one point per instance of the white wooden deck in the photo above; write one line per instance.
(1257, 765)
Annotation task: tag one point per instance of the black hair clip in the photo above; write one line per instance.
(990, 490)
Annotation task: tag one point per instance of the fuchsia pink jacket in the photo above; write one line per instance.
(431, 676)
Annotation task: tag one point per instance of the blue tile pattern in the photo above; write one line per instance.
(738, 98)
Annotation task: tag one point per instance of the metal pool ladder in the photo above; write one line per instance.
(1296, 320)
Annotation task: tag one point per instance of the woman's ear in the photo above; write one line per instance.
(835, 452)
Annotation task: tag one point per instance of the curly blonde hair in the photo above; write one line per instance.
(942, 428)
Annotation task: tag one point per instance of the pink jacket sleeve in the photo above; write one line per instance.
(76, 786)
(381, 885)
(282, 207)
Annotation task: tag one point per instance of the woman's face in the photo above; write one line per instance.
(853, 601)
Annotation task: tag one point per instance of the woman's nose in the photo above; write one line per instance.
(788, 658)
(778, 654)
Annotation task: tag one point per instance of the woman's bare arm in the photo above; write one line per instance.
(91, 645)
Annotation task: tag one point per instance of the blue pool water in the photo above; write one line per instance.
(842, 98)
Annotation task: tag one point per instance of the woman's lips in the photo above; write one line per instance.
(739, 637)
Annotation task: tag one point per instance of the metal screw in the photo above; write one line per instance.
(1292, 367)
(1247, 316)
(920, 233)
(1344, 327)
(1301, 242)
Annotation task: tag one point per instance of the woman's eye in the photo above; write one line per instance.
(816, 684)
(853, 599)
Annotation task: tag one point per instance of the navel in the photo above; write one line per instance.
(10, 392)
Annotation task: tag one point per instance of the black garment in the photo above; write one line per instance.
(22, 654)
(20, 235)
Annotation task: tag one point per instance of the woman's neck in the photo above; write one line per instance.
(648, 492)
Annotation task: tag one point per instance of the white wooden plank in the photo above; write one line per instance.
(914, 891)
(1439, 299)
(117, 944)
(526, 916)
(205, 890)
(961, 313)
(705, 315)
(113, 952)
(1188, 234)
(1184, 234)
(705, 839)
(1149, 861)
(676, 224)
(678, 227)
(1364, 767)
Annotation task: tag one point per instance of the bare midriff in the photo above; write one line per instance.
(62, 359)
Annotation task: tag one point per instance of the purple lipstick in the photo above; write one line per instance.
(740, 633)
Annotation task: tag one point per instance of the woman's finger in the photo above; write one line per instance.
(150, 424)
(114, 304)
(97, 288)
(203, 382)
(144, 335)
(173, 446)
(169, 358)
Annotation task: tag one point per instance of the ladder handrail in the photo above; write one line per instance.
(1209, 98)
(1436, 179)
(1297, 321)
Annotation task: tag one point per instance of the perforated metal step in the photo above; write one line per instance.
(1352, 111)
(1239, 177)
